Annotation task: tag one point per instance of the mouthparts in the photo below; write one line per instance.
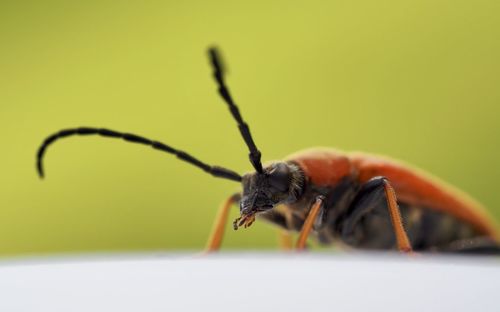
(244, 220)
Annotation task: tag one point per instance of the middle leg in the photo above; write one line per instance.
(372, 211)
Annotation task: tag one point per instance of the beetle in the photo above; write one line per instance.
(354, 199)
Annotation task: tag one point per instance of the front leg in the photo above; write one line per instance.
(215, 240)
(288, 222)
(309, 222)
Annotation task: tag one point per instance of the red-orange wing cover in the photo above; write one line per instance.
(327, 166)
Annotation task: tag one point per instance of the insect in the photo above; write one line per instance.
(353, 199)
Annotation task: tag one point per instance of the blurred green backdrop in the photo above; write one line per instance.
(416, 80)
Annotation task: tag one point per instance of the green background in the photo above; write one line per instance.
(416, 80)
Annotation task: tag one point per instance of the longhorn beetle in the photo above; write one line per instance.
(349, 198)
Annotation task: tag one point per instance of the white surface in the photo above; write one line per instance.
(251, 282)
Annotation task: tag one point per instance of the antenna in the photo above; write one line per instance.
(216, 171)
(219, 71)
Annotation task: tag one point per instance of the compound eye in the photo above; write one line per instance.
(279, 180)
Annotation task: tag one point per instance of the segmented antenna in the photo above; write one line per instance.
(218, 67)
(216, 171)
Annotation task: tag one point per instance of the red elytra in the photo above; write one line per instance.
(325, 166)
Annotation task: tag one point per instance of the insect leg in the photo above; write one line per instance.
(215, 240)
(285, 239)
(284, 221)
(396, 220)
(365, 225)
(309, 222)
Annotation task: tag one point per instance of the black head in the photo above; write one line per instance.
(279, 183)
